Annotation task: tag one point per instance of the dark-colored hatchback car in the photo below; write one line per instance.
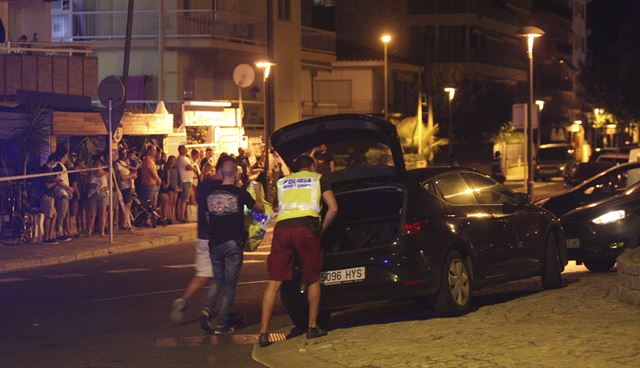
(599, 232)
(434, 234)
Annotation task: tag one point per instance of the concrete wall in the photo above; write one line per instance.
(287, 71)
(26, 17)
(144, 61)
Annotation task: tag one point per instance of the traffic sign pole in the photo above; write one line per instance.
(110, 138)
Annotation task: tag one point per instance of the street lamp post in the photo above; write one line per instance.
(540, 104)
(451, 94)
(386, 38)
(265, 66)
(531, 33)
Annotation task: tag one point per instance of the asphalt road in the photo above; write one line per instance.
(113, 312)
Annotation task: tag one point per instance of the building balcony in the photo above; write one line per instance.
(60, 68)
(318, 40)
(176, 24)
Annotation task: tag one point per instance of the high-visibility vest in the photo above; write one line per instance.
(299, 195)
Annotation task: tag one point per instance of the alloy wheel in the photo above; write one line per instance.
(459, 282)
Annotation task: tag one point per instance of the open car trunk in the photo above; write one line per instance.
(367, 217)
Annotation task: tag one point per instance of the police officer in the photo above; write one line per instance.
(297, 232)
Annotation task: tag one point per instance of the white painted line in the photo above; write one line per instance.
(160, 292)
(12, 279)
(256, 253)
(126, 270)
(66, 276)
(188, 265)
(253, 261)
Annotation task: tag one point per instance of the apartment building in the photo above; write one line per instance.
(188, 49)
(456, 38)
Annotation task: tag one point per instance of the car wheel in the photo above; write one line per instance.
(454, 295)
(551, 269)
(599, 265)
(294, 299)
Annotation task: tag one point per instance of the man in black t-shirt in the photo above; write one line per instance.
(225, 204)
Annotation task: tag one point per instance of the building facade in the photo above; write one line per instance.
(188, 49)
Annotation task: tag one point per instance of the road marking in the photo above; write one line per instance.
(257, 253)
(12, 279)
(254, 261)
(239, 339)
(188, 265)
(66, 276)
(126, 270)
(160, 292)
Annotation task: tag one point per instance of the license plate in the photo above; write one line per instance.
(342, 276)
(573, 243)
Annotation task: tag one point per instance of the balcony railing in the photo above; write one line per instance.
(196, 23)
(46, 48)
(318, 40)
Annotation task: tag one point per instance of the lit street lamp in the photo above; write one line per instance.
(531, 33)
(386, 38)
(452, 93)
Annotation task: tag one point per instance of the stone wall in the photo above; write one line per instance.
(629, 277)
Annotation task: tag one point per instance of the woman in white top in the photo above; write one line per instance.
(98, 197)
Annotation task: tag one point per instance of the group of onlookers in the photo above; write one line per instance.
(75, 201)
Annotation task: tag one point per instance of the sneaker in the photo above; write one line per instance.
(51, 241)
(64, 238)
(315, 332)
(224, 330)
(177, 310)
(263, 340)
(205, 321)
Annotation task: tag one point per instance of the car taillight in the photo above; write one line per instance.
(413, 227)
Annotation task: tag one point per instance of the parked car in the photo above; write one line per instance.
(604, 185)
(585, 170)
(551, 160)
(436, 233)
(599, 232)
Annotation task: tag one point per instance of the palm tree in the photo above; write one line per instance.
(32, 134)
(409, 137)
(87, 148)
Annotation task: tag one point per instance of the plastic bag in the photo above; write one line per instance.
(258, 227)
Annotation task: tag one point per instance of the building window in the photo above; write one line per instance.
(452, 37)
(284, 9)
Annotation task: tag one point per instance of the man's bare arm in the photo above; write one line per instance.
(332, 209)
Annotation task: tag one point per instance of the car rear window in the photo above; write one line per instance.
(553, 154)
(455, 190)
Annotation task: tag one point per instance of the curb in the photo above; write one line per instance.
(25, 264)
(629, 277)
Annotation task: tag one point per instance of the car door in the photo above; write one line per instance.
(474, 222)
(515, 221)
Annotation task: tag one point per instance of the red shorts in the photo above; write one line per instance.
(289, 241)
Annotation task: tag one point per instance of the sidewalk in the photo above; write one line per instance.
(580, 325)
(26, 256)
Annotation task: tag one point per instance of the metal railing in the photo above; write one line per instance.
(196, 23)
(46, 48)
(318, 40)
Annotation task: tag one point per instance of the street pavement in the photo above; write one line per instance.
(113, 312)
(517, 324)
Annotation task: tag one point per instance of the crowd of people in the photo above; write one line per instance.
(74, 202)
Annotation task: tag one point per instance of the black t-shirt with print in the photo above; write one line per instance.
(204, 188)
(225, 209)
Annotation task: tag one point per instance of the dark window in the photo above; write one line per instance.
(452, 37)
(430, 187)
(488, 191)
(455, 190)
(284, 9)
